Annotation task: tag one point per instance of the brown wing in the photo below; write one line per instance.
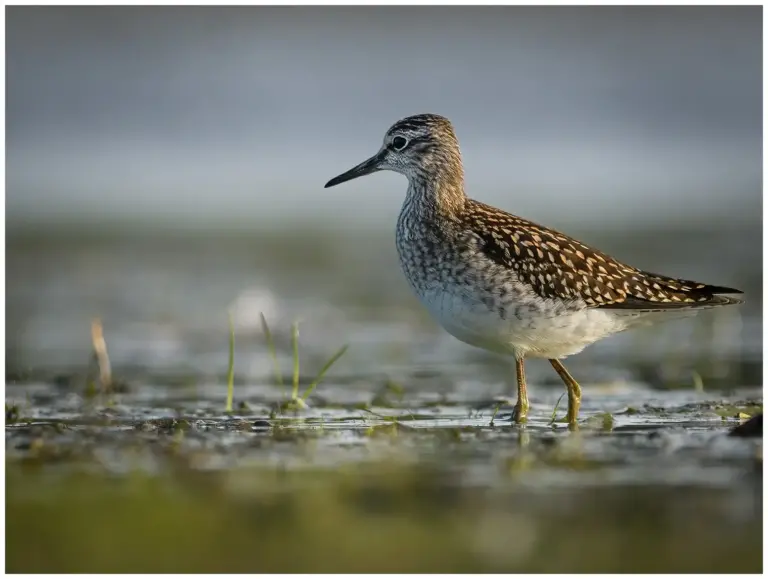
(558, 266)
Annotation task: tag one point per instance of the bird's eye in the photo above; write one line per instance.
(399, 143)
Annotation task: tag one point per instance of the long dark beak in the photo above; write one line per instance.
(365, 168)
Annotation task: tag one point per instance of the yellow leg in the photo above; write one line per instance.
(520, 413)
(574, 391)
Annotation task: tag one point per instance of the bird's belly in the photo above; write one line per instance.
(523, 329)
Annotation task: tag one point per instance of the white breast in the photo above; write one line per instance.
(525, 331)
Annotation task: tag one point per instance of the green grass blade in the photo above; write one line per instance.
(495, 412)
(295, 343)
(272, 351)
(554, 410)
(331, 361)
(231, 369)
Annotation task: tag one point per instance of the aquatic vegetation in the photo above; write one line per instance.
(554, 410)
(296, 402)
(231, 366)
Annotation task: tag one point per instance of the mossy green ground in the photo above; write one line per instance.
(386, 517)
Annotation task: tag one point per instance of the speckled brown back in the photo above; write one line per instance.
(557, 266)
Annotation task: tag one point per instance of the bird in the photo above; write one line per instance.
(508, 285)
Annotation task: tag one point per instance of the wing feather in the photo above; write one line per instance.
(558, 266)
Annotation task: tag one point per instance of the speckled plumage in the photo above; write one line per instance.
(501, 282)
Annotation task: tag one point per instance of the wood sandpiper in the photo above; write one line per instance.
(506, 284)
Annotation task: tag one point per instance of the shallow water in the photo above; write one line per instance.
(656, 411)
(627, 434)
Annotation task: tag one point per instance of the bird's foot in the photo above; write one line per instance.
(574, 403)
(520, 412)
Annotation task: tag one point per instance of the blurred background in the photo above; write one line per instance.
(217, 117)
(165, 166)
(165, 163)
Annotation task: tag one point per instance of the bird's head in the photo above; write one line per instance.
(419, 147)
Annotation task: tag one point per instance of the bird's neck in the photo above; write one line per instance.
(436, 196)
